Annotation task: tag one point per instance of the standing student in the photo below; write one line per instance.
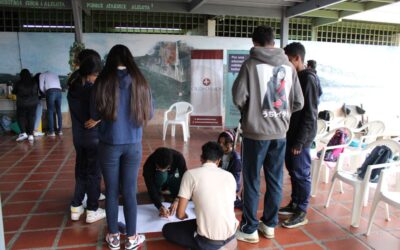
(301, 133)
(162, 172)
(87, 169)
(267, 92)
(39, 109)
(212, 191)
(123, 102)
(26, 91)
(231, 161)
(50, 85)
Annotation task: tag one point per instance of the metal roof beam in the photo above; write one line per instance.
(194, 4)
(323, 14)
(358, 7)
(309, 6)
(316, 22)
(215, 9)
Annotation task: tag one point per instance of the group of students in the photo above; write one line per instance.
(29, 92)
(277, 97)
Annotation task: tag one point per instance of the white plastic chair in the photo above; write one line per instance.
(238, 135)
(321, 128)
(373, 130)
(361, 187)
(382, 193)
(319, 163)
(182, 114)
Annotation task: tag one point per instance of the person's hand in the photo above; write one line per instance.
(164, 212)
(173, 207)
(91, 123)
(296, 151)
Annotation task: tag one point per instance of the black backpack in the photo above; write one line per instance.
(324, 115)
(379, 155)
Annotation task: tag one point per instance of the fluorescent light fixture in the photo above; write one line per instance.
(147, 28)
(48, 26)
(386, 14)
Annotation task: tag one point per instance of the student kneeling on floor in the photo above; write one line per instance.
(213, 191)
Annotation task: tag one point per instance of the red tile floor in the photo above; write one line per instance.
(37, 181)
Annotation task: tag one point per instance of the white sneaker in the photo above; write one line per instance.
(76, 212)
(38, 134)
(102, 197)
(267, 232)
(113, 241)
(135, 243)
(250, 238)
(51, 134)
(93, 216)
(30, 138)
(22, 137)
(59, 133)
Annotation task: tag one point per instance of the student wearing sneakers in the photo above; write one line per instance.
(162, 172)
(26, 91)
(267, 92)
(302, 131)
(49, 83)
(87, 169)
(213, 191)
(124, 105)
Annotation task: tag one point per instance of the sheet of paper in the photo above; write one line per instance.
(149, 221)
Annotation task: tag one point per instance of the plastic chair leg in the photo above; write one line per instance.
(366, 196)
(341, 187)
(326, 174)
(373, 212)
(387, 212)
(357, 206)
(165, 127)
(184, 130)
(331, 191)
(316, 168)
(187, 130)
(173, 130)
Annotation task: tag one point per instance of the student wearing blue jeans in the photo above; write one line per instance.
(122, 101)
(267, 92)
(53, 102)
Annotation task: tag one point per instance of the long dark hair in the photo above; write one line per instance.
(25, 76)
(107, 87)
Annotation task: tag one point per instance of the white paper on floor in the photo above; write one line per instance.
(148, 220)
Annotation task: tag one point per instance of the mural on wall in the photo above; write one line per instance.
(167, 68)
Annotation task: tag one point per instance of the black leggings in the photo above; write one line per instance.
(26, 118)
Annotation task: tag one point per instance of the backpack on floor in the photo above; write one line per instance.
(324, 115)
(379, 155)
(339, 138)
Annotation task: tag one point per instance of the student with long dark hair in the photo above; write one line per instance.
(123, 102)
(26, 91)
(87, 169)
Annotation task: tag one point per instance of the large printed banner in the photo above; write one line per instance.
(235, 60)
(207, 86)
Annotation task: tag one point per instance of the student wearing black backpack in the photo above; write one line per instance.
(301, 133)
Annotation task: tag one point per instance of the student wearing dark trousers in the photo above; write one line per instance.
(26, 91)
(87, 169)
(123, 103)
(301, 133)
(231, 161)
(162, 172)
(212, 191)
(267, 91)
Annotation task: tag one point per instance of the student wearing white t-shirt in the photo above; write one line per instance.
(213, 192)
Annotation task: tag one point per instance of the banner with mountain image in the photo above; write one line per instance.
(207, 87)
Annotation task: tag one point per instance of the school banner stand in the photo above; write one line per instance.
(207, 87)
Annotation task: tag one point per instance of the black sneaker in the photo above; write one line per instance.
(288, 210)
(296, 220)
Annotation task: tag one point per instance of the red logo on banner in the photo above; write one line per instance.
(206, 81)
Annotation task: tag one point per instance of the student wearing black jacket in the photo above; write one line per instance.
(301, 133)
(26, 91)
(163, 171)
(85, 139)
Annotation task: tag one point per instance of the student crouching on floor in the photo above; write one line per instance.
(162, 172)
(213, 192)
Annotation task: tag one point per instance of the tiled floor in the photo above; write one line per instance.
(36, 183)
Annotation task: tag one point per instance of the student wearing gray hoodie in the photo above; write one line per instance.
(267, 91)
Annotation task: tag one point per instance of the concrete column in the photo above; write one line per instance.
(211, 26)
(314, 33)
(77, 12)
(284, 28)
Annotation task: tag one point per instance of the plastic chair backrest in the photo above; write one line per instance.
(181, 109)
(321, 127)
(350, 121)
(375, 127)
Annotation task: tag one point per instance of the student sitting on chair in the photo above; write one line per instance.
(231, 160)
(162, 173)
(213, 192)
